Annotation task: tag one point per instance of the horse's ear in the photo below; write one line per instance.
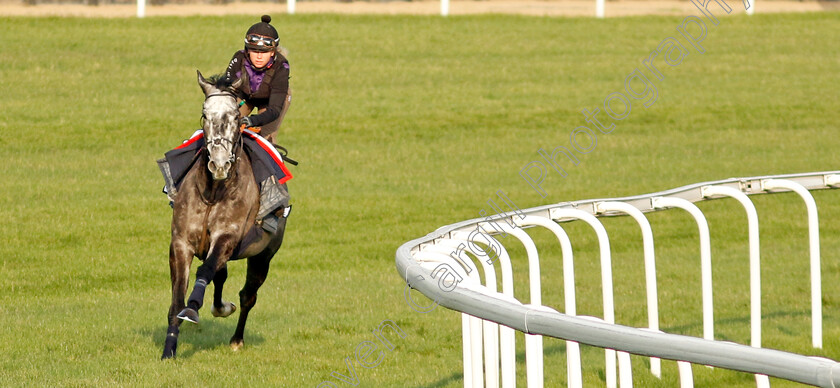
(205, 86)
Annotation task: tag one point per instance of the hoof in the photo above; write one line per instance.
(224, 311)
(188, 314)
(167, 355)
(235, 345)
(169, 347)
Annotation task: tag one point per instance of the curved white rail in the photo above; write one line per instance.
(755, 265)
(705, 257)
(606, 285)
(417, 261)
(490, 329)
(814, 240)
(573, 365)
(650, 267)
(471, 325)
(755, 262)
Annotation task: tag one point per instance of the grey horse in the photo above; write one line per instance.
(216, 207)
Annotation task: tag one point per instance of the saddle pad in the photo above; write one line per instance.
(265, 160)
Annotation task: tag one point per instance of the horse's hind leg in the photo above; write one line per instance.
(257, 272)
(220, 307)
(180, 258)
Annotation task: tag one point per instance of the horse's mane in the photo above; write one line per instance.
(220, 81)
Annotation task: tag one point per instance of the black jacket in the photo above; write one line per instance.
(271, 92)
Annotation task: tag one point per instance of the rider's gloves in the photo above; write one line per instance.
(246, 121)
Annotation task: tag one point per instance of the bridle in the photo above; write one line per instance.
(221, 94)
(218, 140)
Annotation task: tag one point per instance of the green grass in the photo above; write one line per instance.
(402, 125)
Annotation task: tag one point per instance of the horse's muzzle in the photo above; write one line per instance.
(219, 173)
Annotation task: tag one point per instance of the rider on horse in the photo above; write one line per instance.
(264, 75)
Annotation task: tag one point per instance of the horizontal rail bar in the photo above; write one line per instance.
(692, 193)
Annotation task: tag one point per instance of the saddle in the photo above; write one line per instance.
(270, 173)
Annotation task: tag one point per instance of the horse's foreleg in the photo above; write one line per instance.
(220, 307)
(180, 259)
(220, 251)
(257, 272)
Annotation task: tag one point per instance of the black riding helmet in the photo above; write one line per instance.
(262, 36)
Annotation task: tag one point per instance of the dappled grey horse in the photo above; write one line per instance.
(216, 207)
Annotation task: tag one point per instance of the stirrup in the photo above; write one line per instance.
(270, 223)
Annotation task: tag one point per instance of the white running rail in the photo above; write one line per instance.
(442, 266)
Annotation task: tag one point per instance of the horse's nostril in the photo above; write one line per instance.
(227, 165)
(211, 166)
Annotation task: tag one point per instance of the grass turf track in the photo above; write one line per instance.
(402, 124)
